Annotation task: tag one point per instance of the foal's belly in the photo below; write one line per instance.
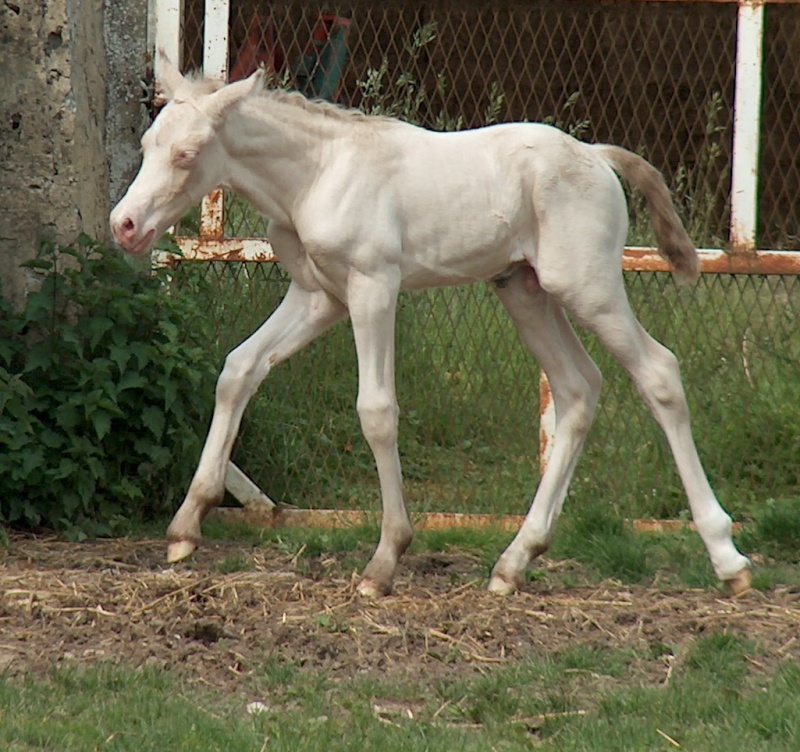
(462, 254)
(420, 271)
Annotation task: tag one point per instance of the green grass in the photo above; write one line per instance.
(577, 699)
(721, 693)
(775, 529)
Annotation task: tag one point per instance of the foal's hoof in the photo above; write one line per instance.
(740, 583)
(369, 588)
(179, 550)
(501, 586)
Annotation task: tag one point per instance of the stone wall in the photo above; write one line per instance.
(57, 155)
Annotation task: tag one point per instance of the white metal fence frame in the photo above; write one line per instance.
(165, 30)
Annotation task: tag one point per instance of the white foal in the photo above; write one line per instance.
(364, 207)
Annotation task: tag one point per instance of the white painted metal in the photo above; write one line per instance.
(247, 493)
(216, 31)
(747, 124)
(151, 27)
(215, 39)
(166, 17)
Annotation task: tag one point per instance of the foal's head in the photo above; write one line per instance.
(182, 157)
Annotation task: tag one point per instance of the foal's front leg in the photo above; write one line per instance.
(373, 303)
(301, 316)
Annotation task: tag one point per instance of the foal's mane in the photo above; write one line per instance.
(195, 84)
(321, 106)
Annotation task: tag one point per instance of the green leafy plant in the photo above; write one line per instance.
(566, 120)
(104, 394)
(408, 98)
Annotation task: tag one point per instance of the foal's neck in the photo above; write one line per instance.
(277, 143)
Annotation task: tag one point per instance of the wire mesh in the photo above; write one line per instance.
(780, 166)
(654, 77)
(468, 394)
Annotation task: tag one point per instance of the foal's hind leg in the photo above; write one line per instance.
(575, 384)
(301, 316)
(654, 370)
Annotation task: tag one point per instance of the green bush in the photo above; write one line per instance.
(104, 394)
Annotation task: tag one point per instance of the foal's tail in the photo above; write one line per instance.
(674, 243)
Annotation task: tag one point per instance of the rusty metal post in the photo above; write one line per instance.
(212, 219)
(216, 30)
(547, 422)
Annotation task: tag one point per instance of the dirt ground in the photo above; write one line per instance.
(117, 601)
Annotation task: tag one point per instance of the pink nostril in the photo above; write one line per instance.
(127, 227)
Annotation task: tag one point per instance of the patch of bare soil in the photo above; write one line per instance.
(117, 601)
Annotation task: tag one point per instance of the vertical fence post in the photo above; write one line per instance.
(165, 31)
(215, 65)
(216, 33)
(215, 38)
(746, 125)
(547, 422)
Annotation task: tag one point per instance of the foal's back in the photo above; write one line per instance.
(468, 204)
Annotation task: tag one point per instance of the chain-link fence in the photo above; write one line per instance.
(657, 78)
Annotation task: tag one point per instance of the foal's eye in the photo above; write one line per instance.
(185, 157)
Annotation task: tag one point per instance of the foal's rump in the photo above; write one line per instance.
(673, 240)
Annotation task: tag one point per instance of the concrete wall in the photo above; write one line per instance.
(128, 67)
(68, 133)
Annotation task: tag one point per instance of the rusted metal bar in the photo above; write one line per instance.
(216, 31)
(634, 259)
(715, 261)
(251, 250)
(334, 518)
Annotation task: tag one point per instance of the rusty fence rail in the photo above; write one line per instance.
(749, 167)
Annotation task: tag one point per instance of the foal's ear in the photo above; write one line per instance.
(218, 104)
(168, 76)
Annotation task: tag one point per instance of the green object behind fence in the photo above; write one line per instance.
(318, 72)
